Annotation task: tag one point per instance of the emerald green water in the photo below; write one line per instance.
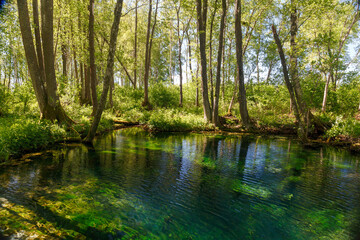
(136, 185)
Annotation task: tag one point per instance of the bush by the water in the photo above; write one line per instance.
(25, 134)
(344, 126)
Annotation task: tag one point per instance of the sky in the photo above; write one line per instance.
(2, 2)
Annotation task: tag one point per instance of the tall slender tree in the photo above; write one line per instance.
(93, 79)
(240, 67)
(218, 70)
(109, 71)
(202, 7)
(149, 38)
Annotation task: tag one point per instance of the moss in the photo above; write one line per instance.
(206, 162)
(254, 191)
(294, 179)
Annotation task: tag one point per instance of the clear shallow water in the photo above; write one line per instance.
(135, 185)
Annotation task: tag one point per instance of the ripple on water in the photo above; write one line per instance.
(186, 187)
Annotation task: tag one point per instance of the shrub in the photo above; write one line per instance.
(24, 134)
(4, 100)
(173, 121)
(164, 96)
(349, 127)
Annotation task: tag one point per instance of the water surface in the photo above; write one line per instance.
(136, 185)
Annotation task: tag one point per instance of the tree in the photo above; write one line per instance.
(218, 70)
(288, 83)
(92, 57)
(42, 75)
(201, 7)
(149, 38)
(135, 43)
(240, 68)
(109, 71)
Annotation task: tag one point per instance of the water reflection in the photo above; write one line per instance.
(184, 186)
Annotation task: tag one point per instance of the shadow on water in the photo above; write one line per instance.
(49, 175)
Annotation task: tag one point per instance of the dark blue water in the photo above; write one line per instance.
(136, 185)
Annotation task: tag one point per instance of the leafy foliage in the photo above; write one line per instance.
(24, 134)
(164, 96)
(173, 121)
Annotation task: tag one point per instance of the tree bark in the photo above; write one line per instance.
(135, 43)
(146, 102)
(65, 60)
(240, 68)
(197, 84)
(223, 70)
(179, 55)
(38, 40)
(170, 58)
(86, 86)
(150, 32)
(289, 86)
(323, 107)
(210, 60)
(201, 17)
(218, 73)
(46, 95)
(190, 56)
(109, 71)
(54, 109)
(92, 57)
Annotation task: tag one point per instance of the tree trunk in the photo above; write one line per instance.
(218, 73)
(323, 108)
(46, 95)
(111, 103)
(257, 66)
(76, 71)
(150, 32)
(223, 71)
(65, 60)
(233, 97)
(92, 57)
(146, 102)
(289, 85)
(201, 17)
(54, 109)
(210, 60)
(170, 58)
(82, 82)
(197, 84)
(109, 71)
(86, 86)
(38, 40)
(179, 55)
(190, 57)
(269, 73)
(240, 68)
(135, 43)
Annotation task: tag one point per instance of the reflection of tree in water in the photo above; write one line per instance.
(244, 148)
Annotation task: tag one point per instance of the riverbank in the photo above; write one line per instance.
(23, 135)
